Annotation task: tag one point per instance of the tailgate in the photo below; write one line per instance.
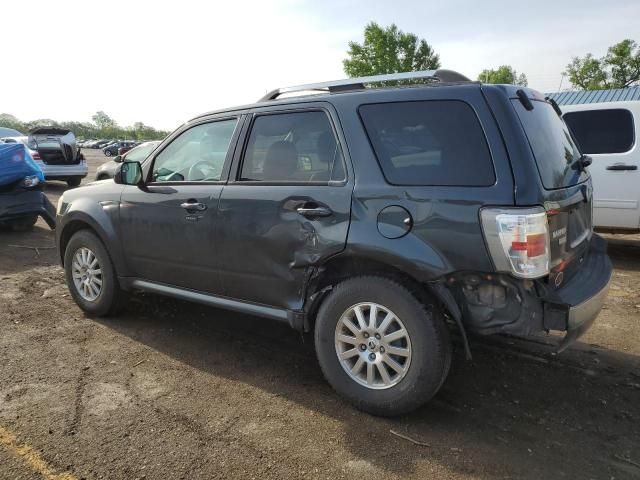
(570, 232)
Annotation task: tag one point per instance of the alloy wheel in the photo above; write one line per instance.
(87, 274)
(373, 345)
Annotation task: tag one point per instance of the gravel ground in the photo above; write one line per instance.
(173, 390)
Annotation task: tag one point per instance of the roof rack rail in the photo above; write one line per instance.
(348, 84)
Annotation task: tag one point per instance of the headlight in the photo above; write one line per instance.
(59, 207)
(30, 181)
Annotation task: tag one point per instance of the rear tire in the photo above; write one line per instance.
(422, 353)
(96, 293)
(74, 182)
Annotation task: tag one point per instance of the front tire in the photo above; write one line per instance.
(108, 153)
(91, 276)
(380, 347)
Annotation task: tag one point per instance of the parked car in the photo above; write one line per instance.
(98, 144)
(368, 216)
(111, 150)
(59, 156)
(21, 197)
(137, 154)
(608, 133)
(9, 132)
(125, 148)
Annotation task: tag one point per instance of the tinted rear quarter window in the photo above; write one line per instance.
(602, 131)
(433, 142)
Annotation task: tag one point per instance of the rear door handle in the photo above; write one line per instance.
(193, 205)
(622, 166)
(314, 212)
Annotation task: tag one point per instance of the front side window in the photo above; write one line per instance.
(196, 155)
(434, 142)
(602, 131)
(293, 147)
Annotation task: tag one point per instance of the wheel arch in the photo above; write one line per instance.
(342, 267)
(81, 221)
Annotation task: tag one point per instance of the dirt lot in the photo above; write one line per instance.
(172, 390)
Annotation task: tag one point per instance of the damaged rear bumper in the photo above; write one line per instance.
(575, 306)
(499, 303)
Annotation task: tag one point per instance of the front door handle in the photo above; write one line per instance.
(194, 205)
(622, 166)
(314, 212)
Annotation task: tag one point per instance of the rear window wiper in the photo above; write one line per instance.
(555, 105)
(582, 163)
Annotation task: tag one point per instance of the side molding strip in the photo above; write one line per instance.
(212, 300)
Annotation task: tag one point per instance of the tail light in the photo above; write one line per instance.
(35, 155)
(518, 240)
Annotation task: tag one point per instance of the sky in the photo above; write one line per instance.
(163, 62)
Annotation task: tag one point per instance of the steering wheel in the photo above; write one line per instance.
(198, 167)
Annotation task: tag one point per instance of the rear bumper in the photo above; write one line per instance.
(63, 172)
(20, 204)
(575, 306)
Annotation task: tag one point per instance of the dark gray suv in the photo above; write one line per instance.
(374, 217)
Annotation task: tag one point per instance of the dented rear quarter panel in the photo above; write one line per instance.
(446, 234)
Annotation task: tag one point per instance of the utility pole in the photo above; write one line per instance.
(562, 75)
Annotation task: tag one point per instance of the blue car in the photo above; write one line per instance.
(22, 200)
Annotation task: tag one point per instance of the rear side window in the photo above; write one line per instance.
(602, 131)
(552, 145)
(435, 142)
(298, 147)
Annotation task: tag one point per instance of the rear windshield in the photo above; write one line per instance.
(435, 142)
(555, 152)
(602, 131)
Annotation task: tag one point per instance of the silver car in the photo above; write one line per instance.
(138, 154)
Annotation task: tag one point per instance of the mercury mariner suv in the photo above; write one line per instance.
(373, 214)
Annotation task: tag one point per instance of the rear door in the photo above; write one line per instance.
(607, 132)
(287, 206)
(168, 231)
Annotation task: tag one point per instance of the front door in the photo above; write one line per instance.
(286, 209)
(168, 231)
(607, 133)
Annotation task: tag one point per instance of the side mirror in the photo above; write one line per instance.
(117, 158)
(129, 173)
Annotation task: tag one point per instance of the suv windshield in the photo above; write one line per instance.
(555, 152)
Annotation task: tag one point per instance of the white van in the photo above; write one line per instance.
(608, 133)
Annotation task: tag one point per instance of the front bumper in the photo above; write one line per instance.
(22, 203)
(63, 172)
(575, 306)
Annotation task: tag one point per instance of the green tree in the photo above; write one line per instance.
(9, 121)
(105, 127)
(103, 121)
(623, 59)
(619, 68)
(388, 50)
(504, 74)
